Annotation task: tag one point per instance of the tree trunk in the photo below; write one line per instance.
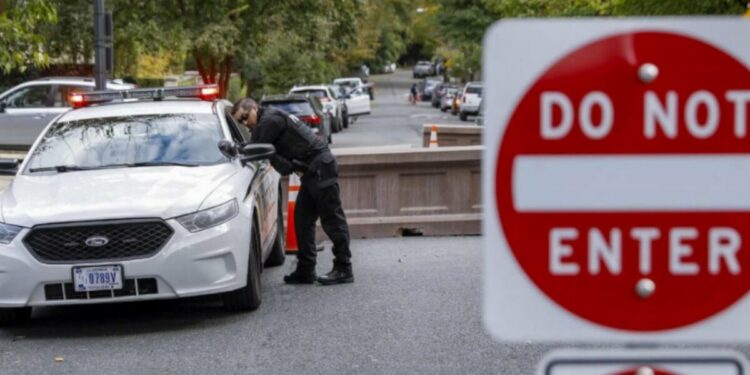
(201, 68)
(225, 75)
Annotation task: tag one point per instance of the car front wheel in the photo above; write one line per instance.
(463, 116)
(247, 298)
(345, 120)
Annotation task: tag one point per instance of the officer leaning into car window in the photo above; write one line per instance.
(300, 151)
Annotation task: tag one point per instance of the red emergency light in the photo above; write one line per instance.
(83, 99)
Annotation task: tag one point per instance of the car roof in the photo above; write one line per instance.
(311, 87)
(136, 108)
(347, 79)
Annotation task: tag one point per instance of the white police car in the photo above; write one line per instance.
(139, 198)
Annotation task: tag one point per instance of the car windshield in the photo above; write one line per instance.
(474, 90)
(294, 108)
(163, 139)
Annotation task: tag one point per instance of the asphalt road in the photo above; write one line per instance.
(414, 309)
(393, 122)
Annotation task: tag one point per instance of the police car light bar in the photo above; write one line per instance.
(82, 99)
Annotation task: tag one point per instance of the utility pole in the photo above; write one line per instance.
(103, 41)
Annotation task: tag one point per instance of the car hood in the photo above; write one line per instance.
(122, 193)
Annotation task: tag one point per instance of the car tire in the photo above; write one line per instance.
(463, 116)
(330, 139)
(443, 109)
(278, 249)
(335, 126)
(248, 298)
(345, 120)
(14, 316)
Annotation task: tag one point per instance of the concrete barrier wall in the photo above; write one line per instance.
(411, 191)
(453, 135)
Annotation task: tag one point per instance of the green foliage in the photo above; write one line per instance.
(23, 44)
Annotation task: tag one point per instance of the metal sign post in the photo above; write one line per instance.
(103, 41)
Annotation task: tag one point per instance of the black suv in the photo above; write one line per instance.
(306, 108)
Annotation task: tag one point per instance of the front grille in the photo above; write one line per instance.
(124, 240)
(130, 287)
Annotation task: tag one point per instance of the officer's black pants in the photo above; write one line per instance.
(313, 202)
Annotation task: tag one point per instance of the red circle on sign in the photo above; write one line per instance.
(611, 66)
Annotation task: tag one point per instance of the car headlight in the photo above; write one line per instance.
(8, 233)
(209, 217)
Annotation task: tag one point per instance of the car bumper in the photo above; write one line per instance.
(190, 264)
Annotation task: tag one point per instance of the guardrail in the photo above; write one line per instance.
(429, 192)
(453, 135)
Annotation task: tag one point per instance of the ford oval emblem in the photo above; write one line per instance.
(97, 241)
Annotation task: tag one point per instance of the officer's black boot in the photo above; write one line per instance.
(340, 274)
(302, 275)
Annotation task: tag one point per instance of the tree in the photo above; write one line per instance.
(23, 44)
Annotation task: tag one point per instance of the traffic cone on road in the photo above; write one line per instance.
(291, 234)
(433, 137)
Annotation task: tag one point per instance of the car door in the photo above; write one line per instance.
(25, 112)
(358, 102)
(267, 184)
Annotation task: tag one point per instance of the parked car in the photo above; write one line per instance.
(339, 94)
(26, 109)
(357, 99)
(446, 102)
(439, 92)
(470, 100)
(140, 200)
(307, 108)
(352, 83)
(423, 69)
(329, 101)
(429, 86)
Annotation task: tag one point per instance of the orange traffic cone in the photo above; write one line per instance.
(433, 137)
(291, 234)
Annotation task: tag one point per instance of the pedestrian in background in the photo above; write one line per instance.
(414, 96)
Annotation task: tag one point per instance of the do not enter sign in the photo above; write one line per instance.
(617, 179)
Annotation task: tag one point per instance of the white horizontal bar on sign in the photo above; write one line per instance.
(597, 183)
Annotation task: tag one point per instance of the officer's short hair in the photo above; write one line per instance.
(245, 103)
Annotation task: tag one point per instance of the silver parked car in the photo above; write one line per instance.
(26, 109)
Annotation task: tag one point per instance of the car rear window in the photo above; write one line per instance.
(474, 90)
(294, 108)
(315, 93)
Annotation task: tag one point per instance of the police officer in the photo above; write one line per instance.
(300, 151)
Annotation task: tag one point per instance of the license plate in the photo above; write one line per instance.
(89, 279)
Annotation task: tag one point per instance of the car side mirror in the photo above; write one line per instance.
(228, 149)
(256, 151)
(9, 167)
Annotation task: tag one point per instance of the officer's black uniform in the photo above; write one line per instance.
(299, 149)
